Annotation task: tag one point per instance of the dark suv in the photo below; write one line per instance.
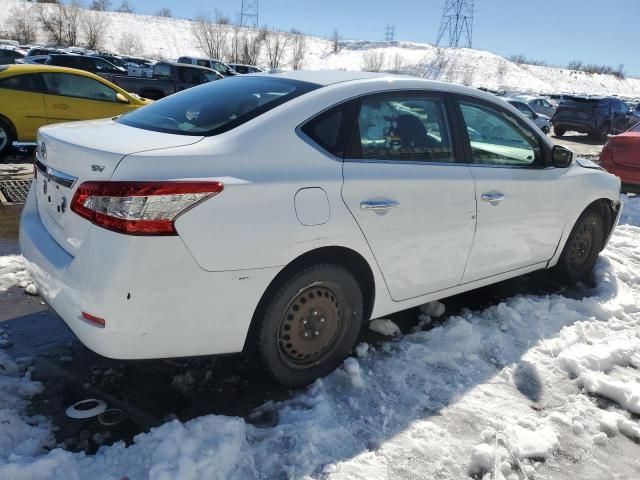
(87, 63)
(597, 117)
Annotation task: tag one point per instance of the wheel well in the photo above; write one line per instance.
(345, 257)
(608, 210)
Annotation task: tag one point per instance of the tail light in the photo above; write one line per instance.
(140, 208)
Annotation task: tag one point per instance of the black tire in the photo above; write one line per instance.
(7, 138)
(308, 326)
(546, 130)
(582, 248)
(559, 132)
(603, 134)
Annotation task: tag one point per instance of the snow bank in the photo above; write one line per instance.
(171, 38)
(428, 405)
(12, 272)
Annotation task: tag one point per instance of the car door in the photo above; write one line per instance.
(518, 197)
(22, 102)
(414, 204)
(71, 97)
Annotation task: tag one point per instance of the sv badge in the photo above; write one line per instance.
(97, 168)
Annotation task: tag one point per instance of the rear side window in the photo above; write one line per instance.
(332, 129)
(25, 83)
(162, 70)
(216, 107)
(403, 128)
(203, 63)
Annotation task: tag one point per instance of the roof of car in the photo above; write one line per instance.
(19, 68)
(177, 64)
(326, 77)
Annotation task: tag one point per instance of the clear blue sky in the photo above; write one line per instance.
(557, 31)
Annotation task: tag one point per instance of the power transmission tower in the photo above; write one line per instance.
(390, 33)
(249, 13)
(456, 25)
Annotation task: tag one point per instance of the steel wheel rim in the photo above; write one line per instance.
(581, 247)
(3, 138)
(310, 326)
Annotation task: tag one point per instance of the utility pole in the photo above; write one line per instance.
(456, 26)
(249, 14)
(390, 33)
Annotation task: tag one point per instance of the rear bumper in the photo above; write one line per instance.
(156, 301)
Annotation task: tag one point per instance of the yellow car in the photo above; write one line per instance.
(35, 95)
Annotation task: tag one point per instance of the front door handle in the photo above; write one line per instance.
(62, 106)
(378, 205)
(494, 198)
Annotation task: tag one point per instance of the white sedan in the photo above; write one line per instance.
(276, 214)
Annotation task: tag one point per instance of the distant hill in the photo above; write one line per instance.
(170, 38)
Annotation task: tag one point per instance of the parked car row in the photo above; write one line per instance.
(32, 96)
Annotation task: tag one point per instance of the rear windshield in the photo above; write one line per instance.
(216, 107)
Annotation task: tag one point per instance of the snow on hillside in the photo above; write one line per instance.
(170, 38)
(546, 385)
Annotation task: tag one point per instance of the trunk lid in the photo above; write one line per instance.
(72, 153)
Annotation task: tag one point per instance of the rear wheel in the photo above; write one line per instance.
(6, 138)
(603, 134)
(559, 132)
(582, 248)
(308, 326)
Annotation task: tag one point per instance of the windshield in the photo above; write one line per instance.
(216, 107)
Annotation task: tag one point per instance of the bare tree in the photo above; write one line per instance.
(60, 22)
(373, 61)
(235, 45)
(163, 12)
(129, 44)
(125, 7)
(335, 41)
(211, 34)
(93, 25)
(100, 5)
(575, 65)
(277, 44)
(23, 26)
(397, 63)
(298, 50)
(251, 47)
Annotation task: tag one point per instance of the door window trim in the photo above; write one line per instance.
(461, 127)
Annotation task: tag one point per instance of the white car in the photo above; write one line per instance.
(541, 121)
(276, 214)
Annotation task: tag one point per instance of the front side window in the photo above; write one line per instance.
(216, 107)
(68, 85)
(403, 128)
(188, 75)
(498, 138)
(103, 65)
(203, 63)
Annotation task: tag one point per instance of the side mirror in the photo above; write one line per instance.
(122, 99)
(561, 157)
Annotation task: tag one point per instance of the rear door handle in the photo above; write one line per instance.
(378, 205)
(494, 198)
(62, 106)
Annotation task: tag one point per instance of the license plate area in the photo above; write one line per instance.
(54, 191)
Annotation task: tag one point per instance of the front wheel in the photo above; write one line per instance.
(559, 132)
(603, 134)
(309, 325)
(6, 138)
(582, 248)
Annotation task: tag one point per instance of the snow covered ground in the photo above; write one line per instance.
(544, 387)
(170, 38)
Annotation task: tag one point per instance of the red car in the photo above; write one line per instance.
(621, 156)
